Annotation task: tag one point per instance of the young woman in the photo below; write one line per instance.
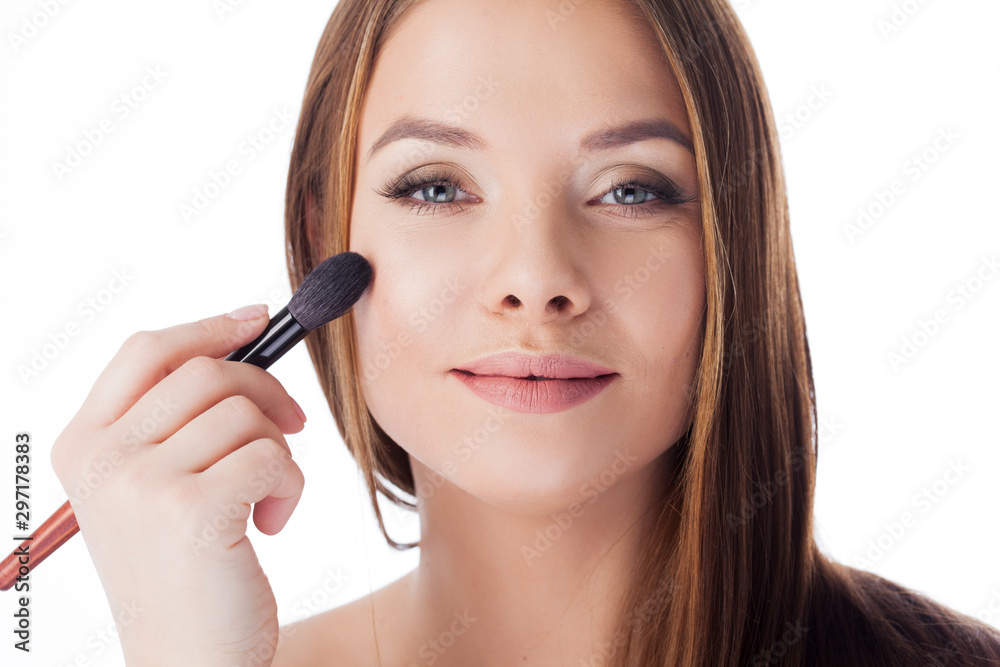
(583, 354)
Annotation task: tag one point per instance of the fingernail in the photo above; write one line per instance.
(248, 312)
(298, 409)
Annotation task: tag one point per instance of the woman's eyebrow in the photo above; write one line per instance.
(415, 127)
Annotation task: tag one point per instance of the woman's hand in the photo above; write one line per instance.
(161, 464)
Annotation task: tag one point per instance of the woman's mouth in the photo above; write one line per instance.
(534, 393)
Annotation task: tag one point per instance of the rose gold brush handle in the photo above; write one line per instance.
(47, 538)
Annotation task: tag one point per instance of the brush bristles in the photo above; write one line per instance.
(330, 290)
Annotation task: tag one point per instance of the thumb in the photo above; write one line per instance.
(243, 325)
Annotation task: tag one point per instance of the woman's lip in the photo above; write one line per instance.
(536, 396)
(517, 364)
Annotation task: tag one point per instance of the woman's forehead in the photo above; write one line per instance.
(512, 67)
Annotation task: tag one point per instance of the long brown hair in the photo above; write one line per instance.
(733, 575)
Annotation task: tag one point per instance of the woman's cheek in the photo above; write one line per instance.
(402, 331)
(664, 313)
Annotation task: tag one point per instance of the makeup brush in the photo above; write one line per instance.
(327, 292)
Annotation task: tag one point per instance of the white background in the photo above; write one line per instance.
(888, 433)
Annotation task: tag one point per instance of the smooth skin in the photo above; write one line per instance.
(543, 256)
(172, 439)
(191, 438)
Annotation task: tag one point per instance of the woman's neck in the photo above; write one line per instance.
(505, 584)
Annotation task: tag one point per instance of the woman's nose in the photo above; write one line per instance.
(536, 271)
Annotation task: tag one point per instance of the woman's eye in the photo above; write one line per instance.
(426, 191)
(636, 199)
(438, 194)
(444, 191)
(628, 196)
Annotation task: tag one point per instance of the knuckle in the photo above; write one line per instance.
(274, 451)
(242, 405)
(209, 325)
(286, 451)
(205, 369)
(184, 496)
(296, 472)
(215, 328)
(136, 483)
(57, 458)
(141, 342)
(65, 455)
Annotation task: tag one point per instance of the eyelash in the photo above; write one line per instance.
(408, 184)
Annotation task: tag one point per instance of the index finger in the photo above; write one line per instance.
(147, 357)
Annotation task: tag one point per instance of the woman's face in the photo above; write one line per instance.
(547, 219)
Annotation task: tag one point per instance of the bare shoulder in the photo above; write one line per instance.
(316, 640)
(343, 636)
